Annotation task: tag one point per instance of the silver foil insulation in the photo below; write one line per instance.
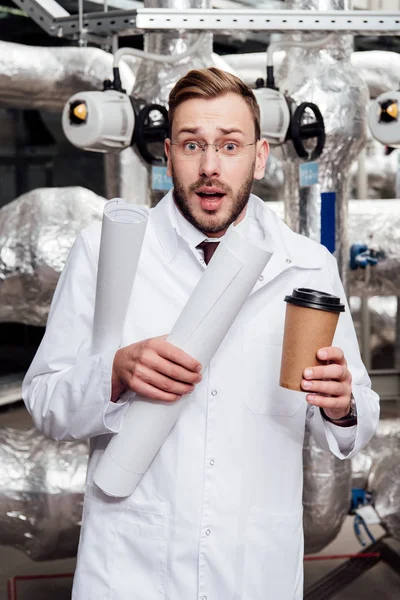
(45, 77)
(37, 231)
(41, 493)
(326, 495)
(327, 78)
(377, 468)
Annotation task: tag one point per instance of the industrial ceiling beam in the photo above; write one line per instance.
(101, 25)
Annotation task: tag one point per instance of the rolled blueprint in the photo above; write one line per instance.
(199, 330)
(122, 234)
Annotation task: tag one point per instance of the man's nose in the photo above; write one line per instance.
(210, 163)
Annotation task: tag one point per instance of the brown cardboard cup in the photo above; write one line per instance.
(310, 324)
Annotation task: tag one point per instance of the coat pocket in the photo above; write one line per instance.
(140, 555)
(273, 562)
(262, 365)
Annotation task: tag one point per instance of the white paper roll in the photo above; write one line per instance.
(199, 330)
(122, 234)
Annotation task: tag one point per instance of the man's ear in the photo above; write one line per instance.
(167, 149)
(262, 152)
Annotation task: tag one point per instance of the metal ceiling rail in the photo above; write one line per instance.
(101, 25)
(270, 20)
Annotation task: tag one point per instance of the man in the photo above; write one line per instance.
(218, 515)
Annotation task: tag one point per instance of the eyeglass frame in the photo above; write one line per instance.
(204, 145)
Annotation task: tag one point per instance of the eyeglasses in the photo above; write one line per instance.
(195, 149)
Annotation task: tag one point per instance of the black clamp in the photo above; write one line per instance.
(299, 132)
(147, 131)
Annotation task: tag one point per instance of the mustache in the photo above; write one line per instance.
(203, 182)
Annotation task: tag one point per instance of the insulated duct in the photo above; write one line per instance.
(326, 495)
(379, 68)
(385, 486)
(386, 442)
(327, 78)
(377, 468)
(44, 77)
(37, 231)
(41, 493)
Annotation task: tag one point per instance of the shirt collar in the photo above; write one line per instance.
(186, 230)
(292, 248)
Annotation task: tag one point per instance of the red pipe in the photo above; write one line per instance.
(339, 556)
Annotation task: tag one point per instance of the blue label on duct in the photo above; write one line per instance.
(160, 180)
(308, 173)
(328, 220)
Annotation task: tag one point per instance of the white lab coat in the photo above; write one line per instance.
(218, 515)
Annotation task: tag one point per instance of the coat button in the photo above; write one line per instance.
(261, 278)
(288, 261)
(214, 393)
(208, 531)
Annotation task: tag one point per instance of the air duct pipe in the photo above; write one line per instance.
(377, 468)
(378, 68)
(326, 495)
(37, 231)
(44, 78)
(41, 493)
(327, 78)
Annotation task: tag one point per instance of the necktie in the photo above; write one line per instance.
(208, 248)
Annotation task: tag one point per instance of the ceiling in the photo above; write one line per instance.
(21, 29)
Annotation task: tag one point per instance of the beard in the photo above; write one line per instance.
(209, 223)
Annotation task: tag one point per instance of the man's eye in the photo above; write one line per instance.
(231, 147)
(190, 146)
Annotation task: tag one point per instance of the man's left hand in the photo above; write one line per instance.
(329, 385)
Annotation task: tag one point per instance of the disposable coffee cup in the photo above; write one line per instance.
(310, 324)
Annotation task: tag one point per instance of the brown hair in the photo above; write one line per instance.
(211, 83)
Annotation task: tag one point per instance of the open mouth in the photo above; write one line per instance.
(211, 201)
(211, 198)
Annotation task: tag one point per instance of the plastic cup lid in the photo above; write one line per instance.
(315, 299)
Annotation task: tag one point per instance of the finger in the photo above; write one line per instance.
(178, 356)
(328, 402)
(174, 371)
(153, 393)
(332, 371)
(330, 388)
(332, 353)
(144, 374)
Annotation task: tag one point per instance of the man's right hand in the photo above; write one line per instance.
(156, 369)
